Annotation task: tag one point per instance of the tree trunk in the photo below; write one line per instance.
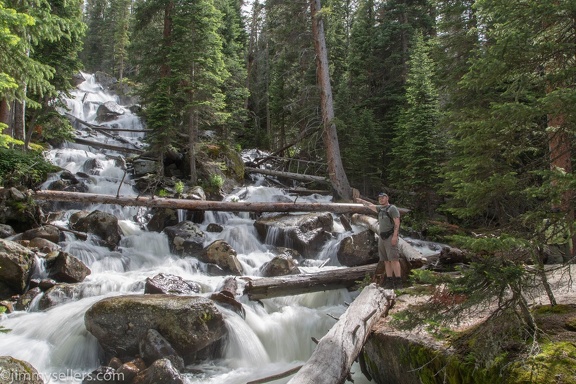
(197, 205)
(19, 122)
(331, 360)
(107, 146)
(268, 287)
(5, 117)
(288, 175)
(336, 172)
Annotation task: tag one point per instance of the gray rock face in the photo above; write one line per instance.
(305, 233)
(16, 265)
(18, 371)
(102, 224)
(188, 323)
(6, 231)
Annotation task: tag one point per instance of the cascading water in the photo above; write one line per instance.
(275, 335)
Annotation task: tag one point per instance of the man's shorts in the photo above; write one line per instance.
(386, 251)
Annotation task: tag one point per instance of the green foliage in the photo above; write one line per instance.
(216, 181)
(27, 169)
(179, 187)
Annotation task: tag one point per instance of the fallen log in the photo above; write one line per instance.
(331, 360)
(197, 205)
(268, 287)
(107, 146)
(289, 175)
(227, 296)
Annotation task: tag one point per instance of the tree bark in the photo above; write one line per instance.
(269, 287)
(197, 205)
(336, 172)
(331, 360)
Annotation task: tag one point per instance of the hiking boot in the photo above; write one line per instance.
(398, 283)
(388, 283)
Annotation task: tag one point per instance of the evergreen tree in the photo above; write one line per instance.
(416, 145)
(96, 53)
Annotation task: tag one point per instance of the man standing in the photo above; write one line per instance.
(388, 229)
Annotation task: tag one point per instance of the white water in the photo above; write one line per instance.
(274, 337)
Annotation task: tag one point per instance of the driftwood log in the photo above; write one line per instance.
(198, 205)
(268, 287)
(331, 360)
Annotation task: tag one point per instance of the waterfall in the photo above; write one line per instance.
(275, 334)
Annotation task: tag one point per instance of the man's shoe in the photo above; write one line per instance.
(388, 283)
(398, 283)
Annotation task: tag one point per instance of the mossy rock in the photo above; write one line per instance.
(556, 363)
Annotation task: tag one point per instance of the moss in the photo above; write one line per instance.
(553, 309)
(554, 364)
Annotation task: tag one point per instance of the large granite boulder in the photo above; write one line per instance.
(16, 265)
(305, 233)
(65, 268)
(358, 249)
(188, 323)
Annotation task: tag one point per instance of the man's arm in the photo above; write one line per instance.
(366, 204)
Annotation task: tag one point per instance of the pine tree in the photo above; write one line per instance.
(416, 145)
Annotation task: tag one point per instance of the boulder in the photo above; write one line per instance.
(58, 294)
(358, 249)
(102, 224)
(223, 255)
(65, 268)
(185, 238)
(188, 323)
(305, 233)
(155, 347)
(16, 265)
(6, 231)
(43, 245)
(162, 218)
(170, 284)
(280, 265)
(161, 372)
(25, 300)
(18, 371)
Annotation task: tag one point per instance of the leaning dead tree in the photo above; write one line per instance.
(198, 205)
(268, 287)
(331, 360)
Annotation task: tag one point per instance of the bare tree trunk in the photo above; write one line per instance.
(336, 172)
(19, 126)
(6, 117)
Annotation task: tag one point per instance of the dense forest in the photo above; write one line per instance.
(462, 110)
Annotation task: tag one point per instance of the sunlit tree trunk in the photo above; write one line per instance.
(336, 172)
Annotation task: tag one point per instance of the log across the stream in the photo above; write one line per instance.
(199, 205)
(268, 287)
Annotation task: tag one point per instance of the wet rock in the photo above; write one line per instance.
(102, 224)
(8, 306)
(46, 284)
(115, 363)
(189, 323)
(305, 233)
(161, 372)
(43, 245)
(108, 112)
(162, 218)
(171, 284)
(222, 254)
(185, 238)
(358, 249)
(65, 268)
(58, 294)
(6, 231)
(280, 265)
(143, 167)
(93, 166)
(18, 371)
(19, 210)
(16, 265)
(155, 347)
(215, 228)
(24, 301)
(128, 371)
(102, 374)
(48, 232)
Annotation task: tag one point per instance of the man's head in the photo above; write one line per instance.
(382, 198)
